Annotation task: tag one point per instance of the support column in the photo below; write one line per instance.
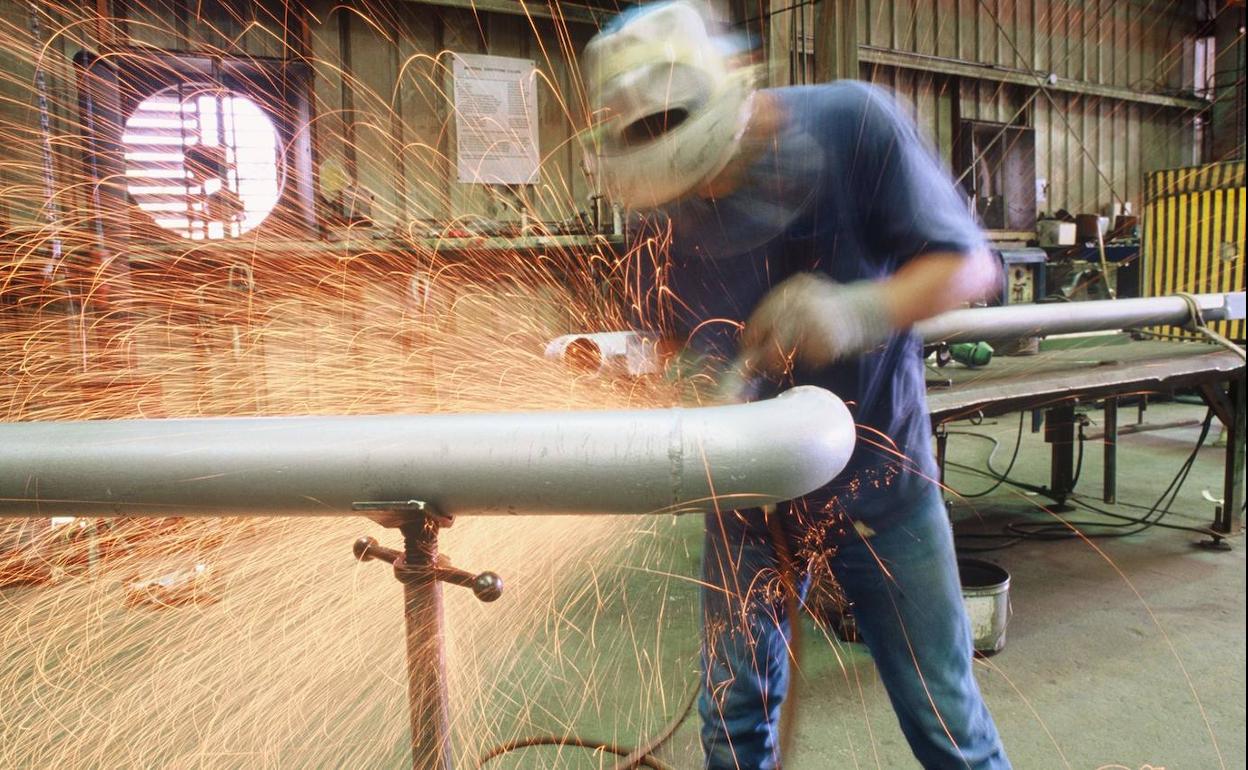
(421, 570)
(836, 40)
(426, 662)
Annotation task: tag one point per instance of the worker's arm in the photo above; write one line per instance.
(937, 282)
(912, 224)
(815, 321)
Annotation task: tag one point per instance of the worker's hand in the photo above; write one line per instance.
(703, 380)
(812, 321)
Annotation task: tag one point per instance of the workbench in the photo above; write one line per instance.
(1099, 369)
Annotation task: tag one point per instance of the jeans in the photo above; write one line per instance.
(911, 618)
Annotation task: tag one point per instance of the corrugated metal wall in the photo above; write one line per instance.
(1091, 150)
(1127, 43)
(382, 92)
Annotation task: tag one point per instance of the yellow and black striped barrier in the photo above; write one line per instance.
(1194, 235)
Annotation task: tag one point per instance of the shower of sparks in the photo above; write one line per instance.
(282, 650)
(261, 642)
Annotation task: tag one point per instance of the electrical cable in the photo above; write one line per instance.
(643, 756)
(1077, 498)
(1018, 443)
(1081, 501)
(1065, 529)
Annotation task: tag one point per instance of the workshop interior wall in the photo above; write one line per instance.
(125, 326)
(382, 92)
(1136, 44)
(1095, 140)
(384, 119)
(1091, 150)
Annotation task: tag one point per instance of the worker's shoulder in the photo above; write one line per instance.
(840, 105)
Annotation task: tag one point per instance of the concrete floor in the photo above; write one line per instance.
(1128, 653)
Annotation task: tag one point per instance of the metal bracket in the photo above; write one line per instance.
(392, 514)
(1219, 402)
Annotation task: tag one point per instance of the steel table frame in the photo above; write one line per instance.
(1218, 375)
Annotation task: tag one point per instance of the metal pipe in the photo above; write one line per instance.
(1017, 321)
(610, 462)
(621, 352)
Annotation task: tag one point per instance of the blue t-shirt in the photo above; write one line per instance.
(847, 188)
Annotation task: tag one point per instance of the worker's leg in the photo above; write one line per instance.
(907, 599)
(744, 644)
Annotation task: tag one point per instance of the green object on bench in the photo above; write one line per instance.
(972, 354)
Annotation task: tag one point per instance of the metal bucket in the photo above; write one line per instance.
(986, 594)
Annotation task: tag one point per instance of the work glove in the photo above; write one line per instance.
(811, 321)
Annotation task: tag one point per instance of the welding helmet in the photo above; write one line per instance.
(669, 104)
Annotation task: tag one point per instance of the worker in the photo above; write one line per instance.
(805, 230)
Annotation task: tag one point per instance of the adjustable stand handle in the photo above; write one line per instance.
(486, 586)
(367, 549)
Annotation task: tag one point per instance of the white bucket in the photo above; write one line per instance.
(986, 594)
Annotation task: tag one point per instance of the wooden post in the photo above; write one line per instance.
(836, 40)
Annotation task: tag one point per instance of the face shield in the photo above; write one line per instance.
(669, 105)
(672, 103)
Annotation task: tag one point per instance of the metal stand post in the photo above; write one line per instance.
(419, 568)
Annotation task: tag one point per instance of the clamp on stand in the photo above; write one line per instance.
(421, 570)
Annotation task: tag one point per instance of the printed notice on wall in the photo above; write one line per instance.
(496, 119)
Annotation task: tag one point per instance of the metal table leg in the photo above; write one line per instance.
(1230, 518)
(1110, 479)
(942, 447)
(1059, 432)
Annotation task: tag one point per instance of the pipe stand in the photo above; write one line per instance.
(420, 569)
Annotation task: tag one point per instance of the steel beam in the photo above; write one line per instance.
(1109, 481)
(608, 462)
(581, 13)
(1059, 432)
(999, 74)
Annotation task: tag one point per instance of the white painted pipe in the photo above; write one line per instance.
(1018, 321)
(621, 352)
(608, 462)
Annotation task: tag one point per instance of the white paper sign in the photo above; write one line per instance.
(496, 119)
